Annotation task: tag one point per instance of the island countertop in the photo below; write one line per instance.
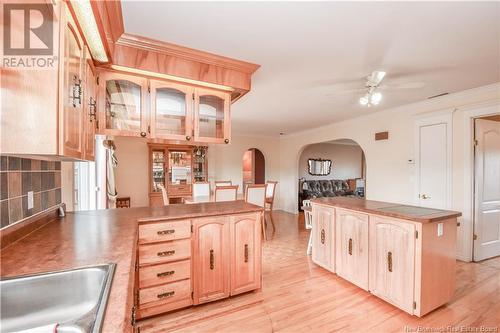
(400, 211)
(101, 236)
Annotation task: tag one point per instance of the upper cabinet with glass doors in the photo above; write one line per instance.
(122, 101)
(212, 122)
(135, 106)
(171, 111)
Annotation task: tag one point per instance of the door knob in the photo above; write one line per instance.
(424, 196)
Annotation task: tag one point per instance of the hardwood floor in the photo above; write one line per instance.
(299, 296)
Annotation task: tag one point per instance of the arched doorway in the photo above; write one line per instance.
(332, 168)
(254, 167)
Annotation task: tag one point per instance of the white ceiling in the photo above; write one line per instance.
(311, 51)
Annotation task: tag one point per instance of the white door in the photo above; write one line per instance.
(434, 163)
(487, 189)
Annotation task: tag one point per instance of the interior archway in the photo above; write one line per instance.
(254, 167)
(332, 168)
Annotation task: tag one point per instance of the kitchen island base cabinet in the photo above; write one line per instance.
(402, 254)
(393, 261)
(323, 249)
(211, 259)
(352, 247)
(245, 253)
(190, 261)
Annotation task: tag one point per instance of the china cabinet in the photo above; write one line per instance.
(176, 167)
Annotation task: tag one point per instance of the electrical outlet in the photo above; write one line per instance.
(30, 200)
(440, 229)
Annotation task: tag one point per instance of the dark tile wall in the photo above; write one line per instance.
(18, 176)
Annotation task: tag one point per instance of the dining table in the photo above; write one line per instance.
(208, 198)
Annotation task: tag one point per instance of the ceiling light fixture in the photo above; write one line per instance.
(371, 98)
(86, 19)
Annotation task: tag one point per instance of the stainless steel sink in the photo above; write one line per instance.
(75, 299)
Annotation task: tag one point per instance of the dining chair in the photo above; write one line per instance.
(256, 194)
(201, 189)
(164, 194)
(270, 192)
(226, 193)
(307, 207)
(223, 183)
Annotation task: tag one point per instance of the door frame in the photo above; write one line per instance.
(443, 117)
(466, 230)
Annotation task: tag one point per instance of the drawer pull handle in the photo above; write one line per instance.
(166, 253)
(166, 232)
(167, 294)
(350, 246)
(322, 236)
(246, 252)
(212, 259)
(163, 274)
(389, 261)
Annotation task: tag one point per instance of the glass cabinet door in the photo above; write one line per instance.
(179, 167)
(171, 111)
(212, 116)
(157, 169)
(123, 98)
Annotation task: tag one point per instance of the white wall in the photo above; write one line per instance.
(131, 174)
(226, 161)
(389, 175)
(346, 160)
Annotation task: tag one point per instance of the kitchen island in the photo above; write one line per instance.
(115, 236)
(402, 254)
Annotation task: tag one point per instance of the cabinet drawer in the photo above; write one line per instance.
(164, 252)
(164, 273)
(167, 293)
(164, 231)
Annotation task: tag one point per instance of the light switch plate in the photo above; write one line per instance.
(440, 229)
(30, 200)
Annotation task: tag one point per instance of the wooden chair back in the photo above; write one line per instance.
(164, 195)
(307, 214)
(223, 183)
(226, 193)
(201, 189)
(270, 190)
(256, 194)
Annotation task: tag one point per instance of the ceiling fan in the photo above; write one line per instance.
(373, 88)
(372, 96)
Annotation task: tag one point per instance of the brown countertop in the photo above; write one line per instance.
(97, 237)
(405, 212)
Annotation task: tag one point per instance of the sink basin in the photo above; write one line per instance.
(75, 299)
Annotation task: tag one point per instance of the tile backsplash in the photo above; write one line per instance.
(22, 175)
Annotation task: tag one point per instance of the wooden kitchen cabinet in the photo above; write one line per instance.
(392, 274)
(351, 260)
(43, 109)
(123, 101)
(72, 92)
(246, 263)
(171, 111)
(211, 259)
(212, 119)
(90, 122)
(323, 249)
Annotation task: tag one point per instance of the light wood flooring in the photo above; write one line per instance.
(298, 296)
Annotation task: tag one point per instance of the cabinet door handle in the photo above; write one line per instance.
(167, 294)
(246, 252)
(77, 91)
(163, 274)
(212, 259)
(166, 253)
(350, 246)
(166, 232)
(92, 109)
(322, 236)
(389, 261)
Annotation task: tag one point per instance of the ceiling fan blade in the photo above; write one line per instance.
(375, 78)
(401, 86)
(346, 91)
